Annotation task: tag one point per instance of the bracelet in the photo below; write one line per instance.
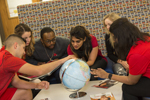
(109, 76)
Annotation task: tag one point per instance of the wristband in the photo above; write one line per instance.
(109, 76)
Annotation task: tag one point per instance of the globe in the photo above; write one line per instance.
(74, 74)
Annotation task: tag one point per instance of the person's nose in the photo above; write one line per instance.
(108, 27)
(75, 43)
(28, 39)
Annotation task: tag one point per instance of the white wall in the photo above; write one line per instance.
(0, 42)
(12, 6)
(15, 3)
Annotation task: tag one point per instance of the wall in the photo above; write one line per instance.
(8, 23)
(61, 15)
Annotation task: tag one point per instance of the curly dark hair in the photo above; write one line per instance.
(80, 32)
(46, 30)
(126, 35)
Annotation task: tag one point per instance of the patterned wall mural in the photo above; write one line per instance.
(61, 15)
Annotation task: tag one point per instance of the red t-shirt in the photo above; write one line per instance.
(139, 59)
(3, 48)
(94, 44)
(8, 67)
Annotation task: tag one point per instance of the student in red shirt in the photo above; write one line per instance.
(85, 46)
(13, 88)
(25, 32)
(133, 46)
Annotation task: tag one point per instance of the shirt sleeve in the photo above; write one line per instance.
(94, 41)
(69, 50)
(13, 64)
(138, 64)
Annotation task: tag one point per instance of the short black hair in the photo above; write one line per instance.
(11, 39)
(45, 30)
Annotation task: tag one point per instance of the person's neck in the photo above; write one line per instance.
(10, 51)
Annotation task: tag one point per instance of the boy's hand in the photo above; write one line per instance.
(42, 85)
(72, 56)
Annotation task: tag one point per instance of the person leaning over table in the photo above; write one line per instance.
(13, 88)
(25, 32)
(120, 67)
(85, 46)
(133, 46)
(48, 49)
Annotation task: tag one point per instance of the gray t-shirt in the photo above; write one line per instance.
(40, 55)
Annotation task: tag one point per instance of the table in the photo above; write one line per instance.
(58, 92)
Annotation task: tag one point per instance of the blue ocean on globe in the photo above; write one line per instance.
(76, 73)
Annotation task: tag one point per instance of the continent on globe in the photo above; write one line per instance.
(74, 74)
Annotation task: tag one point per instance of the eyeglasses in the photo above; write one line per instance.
(49, 41)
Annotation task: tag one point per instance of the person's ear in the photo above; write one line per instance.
(41, 40)
(15, 45)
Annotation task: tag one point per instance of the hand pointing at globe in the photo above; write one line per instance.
(72, 57)
(99, 73)
(67, 58)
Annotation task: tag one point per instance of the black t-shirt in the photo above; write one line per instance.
(110, 50)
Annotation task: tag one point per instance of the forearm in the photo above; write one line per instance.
(46, 68)
(90, 63)
(92, 56)
(25, 85)
(129, 80)
(18, 83)
(41, 69)
(123, 79)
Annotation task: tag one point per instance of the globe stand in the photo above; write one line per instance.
(62, 73)
(77, 95)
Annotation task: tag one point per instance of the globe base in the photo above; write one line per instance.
(77, 95)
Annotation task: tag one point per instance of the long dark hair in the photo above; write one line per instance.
(126, 35)
(80, 32)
